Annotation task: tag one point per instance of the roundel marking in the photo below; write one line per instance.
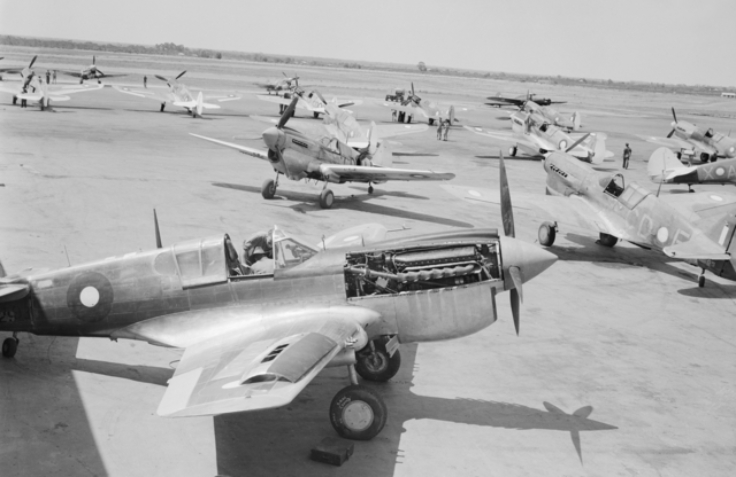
(563, 144)
(716, 198)
(720, 171)
(90, 297)
(663, 234)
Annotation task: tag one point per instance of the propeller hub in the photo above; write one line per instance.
(673, 124)
(274, 138)
(530, 259)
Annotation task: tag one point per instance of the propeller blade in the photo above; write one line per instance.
(284, 74)
(517, 297)
(412, 88)
(288, 113)
(161, 78)
(673, 114)
(670, 134)
(320, 96)
(33, 61)
(158, 232)
(507, 212)
(575, 144)
(181, 74)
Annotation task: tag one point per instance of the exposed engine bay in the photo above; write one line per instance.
(395, 271)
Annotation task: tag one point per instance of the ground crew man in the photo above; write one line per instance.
(48, 77)
(627, 156)
(447, 129)
(145, 81)
(258, 246)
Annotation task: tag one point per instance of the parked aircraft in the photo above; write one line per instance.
(537, 140)
(281, 85)
(90, 72)
(665, 168)
(324, 157)
(546, 114)
(26, 73)
(179, 95)
(689, 141)
(414, 105)
(44, 94)
(519, 101)
(255, 341)
(313, 101)
(697, 228)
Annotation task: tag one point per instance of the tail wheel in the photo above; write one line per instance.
(316, 115)
(714, 158)
(10, 346)
(547, 234)
(163, 105)
(358, 413)
(512, 151)
(326, 199)
(608, 240)
(701, 284)
(376, 365)
(268, 189)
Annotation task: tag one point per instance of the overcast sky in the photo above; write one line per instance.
(670, 41)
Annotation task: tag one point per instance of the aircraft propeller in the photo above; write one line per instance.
(274, 137)
(167, 80)
(158, 232)
(673, 124)
(507, 216)
(414, 98)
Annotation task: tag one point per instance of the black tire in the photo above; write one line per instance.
(316, 115)
(704, 157)
(431, 121)
(401, 117)
(163, 105)
(10, 346)
(512, 151)
(358, 413)
(408, 119)
(378, 366)
(714, 158)
(326, 199)
(370, 188)
(608, 240)
(701, 284)
(547, 234)
(268, 189)
(679, 155)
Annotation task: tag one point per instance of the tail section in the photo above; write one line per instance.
(598, 145)
(200, 105)
(380, 156)
(576, 121)
(662, 163)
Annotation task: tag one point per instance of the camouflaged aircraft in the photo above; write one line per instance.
(324, 157)
(290, 84)
(312, 102)
(690, 142)
(538, 139)
(179, 95)
(255, 341)
(664, 168)
(414, 105)
(546, 114)
(697, 228)
(90, 72)
(42, 93)
(519, 101)
(27, 73)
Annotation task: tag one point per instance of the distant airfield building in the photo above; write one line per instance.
(728, 95)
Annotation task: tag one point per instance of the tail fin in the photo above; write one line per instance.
(576, 122)
(380, 156)
(200, 105)
(662, 163)
(598, 145)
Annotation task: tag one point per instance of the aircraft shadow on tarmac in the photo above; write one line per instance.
(308, 203)
(270, 442)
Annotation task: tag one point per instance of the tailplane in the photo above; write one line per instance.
(662, 163)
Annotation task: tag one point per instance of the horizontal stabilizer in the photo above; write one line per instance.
(13, 292)
(698, 248)
(663, 166)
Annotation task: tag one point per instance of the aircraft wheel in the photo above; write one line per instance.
(714, 158)
(358, 413)
(431, 121)
(704, 157)
(316, 115)
(15, 100)
(10, 346)
(377, 365)
(512, 151)
(701, 284)
(370, 188)
(163, 105)
(679, 155)
(608, 240)
(547, 234)
(326, 199)
(408, 119)
(268, 189)
(401, 116)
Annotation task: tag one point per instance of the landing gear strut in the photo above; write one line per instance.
(357, 412)
(10, 346)
(376, 364)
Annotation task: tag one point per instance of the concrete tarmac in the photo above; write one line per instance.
(624, 330)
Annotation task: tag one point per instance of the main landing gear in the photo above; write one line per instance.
(370, 188)
(547, 233)
(10, 346)
(326, 198)
(607, 240)
(268, 189)
(358, 412)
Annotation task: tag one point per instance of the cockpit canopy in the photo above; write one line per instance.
(289, 251)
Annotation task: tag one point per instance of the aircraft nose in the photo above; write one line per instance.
(673, 124)
(274, 138)
(530, 259)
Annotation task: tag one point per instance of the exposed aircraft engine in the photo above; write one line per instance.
(388, 272)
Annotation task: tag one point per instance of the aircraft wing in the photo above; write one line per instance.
(260, 154)
(301, 104)
(572, 211)
(340, 173)
(504, 136)
(156, 95)
(698, 247)
(673, 142)
(349, 102)
(257, 365)
(15, 89)
(73, 89)
(701, 205)
(221, 98)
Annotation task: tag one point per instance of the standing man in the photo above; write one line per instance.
(440, 128)
(54, 76)
(48, 77)
(447, 129)
(627, 156)
(145, 81)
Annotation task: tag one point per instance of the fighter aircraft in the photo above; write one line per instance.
(546, 114)
(255, 341)
(43, 94)
(697, 228)
(27, 73)
(90, 72)
(665, 168)
(313, 101)
(281, 85)
(539, 139)
(519, 101)
(179, 95)
(324, 157)
(689, 141)
(414, 105)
